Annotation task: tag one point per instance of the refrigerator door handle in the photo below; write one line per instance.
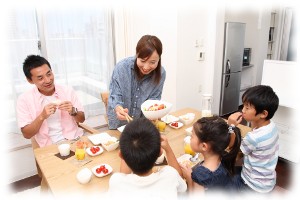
(228, 66)
(227, 79)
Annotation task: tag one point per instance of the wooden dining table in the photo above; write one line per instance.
(60, 175)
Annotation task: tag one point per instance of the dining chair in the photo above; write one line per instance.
(104, 96)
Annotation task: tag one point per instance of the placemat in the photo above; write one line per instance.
(72, 153)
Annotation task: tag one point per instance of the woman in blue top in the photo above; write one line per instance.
(134, 80)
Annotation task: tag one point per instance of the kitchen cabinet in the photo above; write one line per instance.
(271, 41)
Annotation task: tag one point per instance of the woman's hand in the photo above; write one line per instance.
(121, 112)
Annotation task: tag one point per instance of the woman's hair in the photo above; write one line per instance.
(216, 132)
(262, 97)
(140, 145)
(31, 62)
(144, 49)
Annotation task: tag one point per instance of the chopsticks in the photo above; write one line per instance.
(128, 118)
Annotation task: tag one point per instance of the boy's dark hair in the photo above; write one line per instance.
(215, 131)
(140, 145)
(262, 97)
(31, 62)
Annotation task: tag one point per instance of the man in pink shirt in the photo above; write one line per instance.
(49, 112)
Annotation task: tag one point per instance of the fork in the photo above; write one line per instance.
(75, 139)
(194, 158)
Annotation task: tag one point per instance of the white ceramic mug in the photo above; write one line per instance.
(64, 149)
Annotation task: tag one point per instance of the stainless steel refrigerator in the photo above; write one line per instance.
(232, 66)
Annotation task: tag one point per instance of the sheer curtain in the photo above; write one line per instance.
(78, 43)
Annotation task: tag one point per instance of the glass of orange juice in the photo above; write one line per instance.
(161, 126)
(187, 146)
(80, 150)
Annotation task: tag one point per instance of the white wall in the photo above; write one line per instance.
(179, 27)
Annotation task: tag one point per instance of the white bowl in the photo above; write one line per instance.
(187, 118)
(111, 144)
(84, 176)
(157, 114)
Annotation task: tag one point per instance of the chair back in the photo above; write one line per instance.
(104, 97)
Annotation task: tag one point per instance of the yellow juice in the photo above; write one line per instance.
(80, 153)
(161, 126)
(188, 149)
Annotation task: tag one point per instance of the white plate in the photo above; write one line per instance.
(121, 128)
(184, 158)
(189, 130)
(179, 125)
(169, 118)
(101, 174)
(99, 138)
(88, 151)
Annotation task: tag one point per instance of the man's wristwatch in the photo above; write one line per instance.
(74, 111)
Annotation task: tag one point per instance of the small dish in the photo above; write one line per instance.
(111, 144)
(189, 130)
(121, 128)
(97, 139)
(169, 118)
(187, 118)
(94, 150)
(176, 125)
(100, 171)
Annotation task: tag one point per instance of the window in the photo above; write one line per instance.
(76, 41)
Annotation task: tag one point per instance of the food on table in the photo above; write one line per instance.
(156, 107)
(94, 149)
(161, 126)
(80, 154)
(80, 150)
(109, 142)
(102, 169)
(175, 124)
(57, 102)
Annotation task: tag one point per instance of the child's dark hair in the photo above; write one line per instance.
(31, 62)
(215, 131)
(140, 145)
(262, 97)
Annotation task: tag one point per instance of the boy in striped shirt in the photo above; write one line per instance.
(260, 146)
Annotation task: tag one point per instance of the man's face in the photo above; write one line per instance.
(43, 78)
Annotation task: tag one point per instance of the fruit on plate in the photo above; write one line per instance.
(102, 169)
(175, 124)
(94, 149)
(156, 107)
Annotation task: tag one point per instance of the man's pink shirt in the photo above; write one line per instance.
(29, 106)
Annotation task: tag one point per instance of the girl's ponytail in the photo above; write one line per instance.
(230, 154)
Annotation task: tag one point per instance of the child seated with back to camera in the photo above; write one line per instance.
(211, 136)
(260, 146)
(140, 146)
